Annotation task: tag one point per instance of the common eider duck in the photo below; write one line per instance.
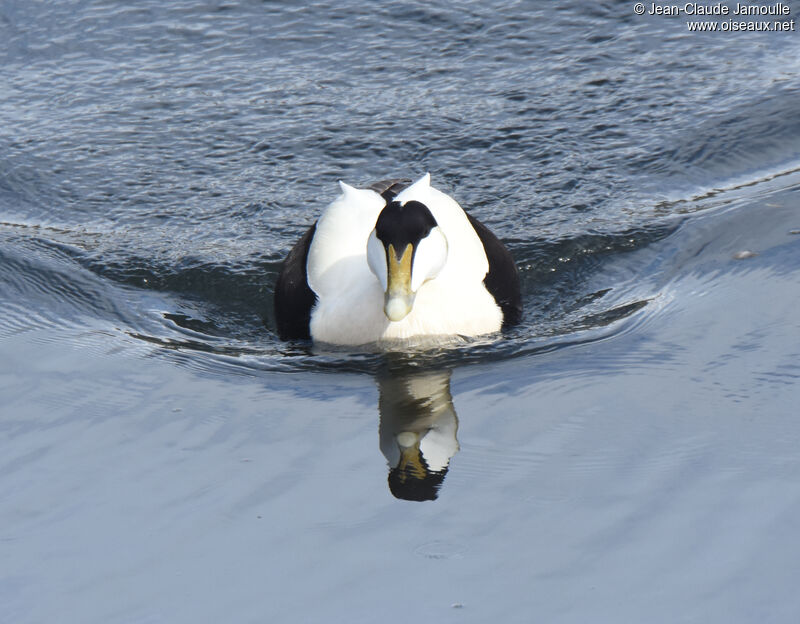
(395, 261)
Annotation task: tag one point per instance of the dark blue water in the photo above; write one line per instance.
(628, 453)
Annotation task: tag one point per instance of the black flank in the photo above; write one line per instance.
(502, 280)
(293, 296)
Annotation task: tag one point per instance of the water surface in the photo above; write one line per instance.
(628, 453)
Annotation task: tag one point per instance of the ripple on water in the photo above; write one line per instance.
(186, 154)
(221, 315)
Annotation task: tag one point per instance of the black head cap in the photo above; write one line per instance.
(399, 225)
(407, 486)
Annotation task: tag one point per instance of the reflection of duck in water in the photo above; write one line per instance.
(393, 262)
(417, 432)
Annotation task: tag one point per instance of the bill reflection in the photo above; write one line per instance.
(418, 426)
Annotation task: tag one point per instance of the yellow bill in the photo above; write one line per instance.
(398, 299)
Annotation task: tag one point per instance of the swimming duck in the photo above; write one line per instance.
(395, 261)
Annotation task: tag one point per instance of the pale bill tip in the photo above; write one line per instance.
(396, 309)
(407, 439)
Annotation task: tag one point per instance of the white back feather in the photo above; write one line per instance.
(340, 241)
